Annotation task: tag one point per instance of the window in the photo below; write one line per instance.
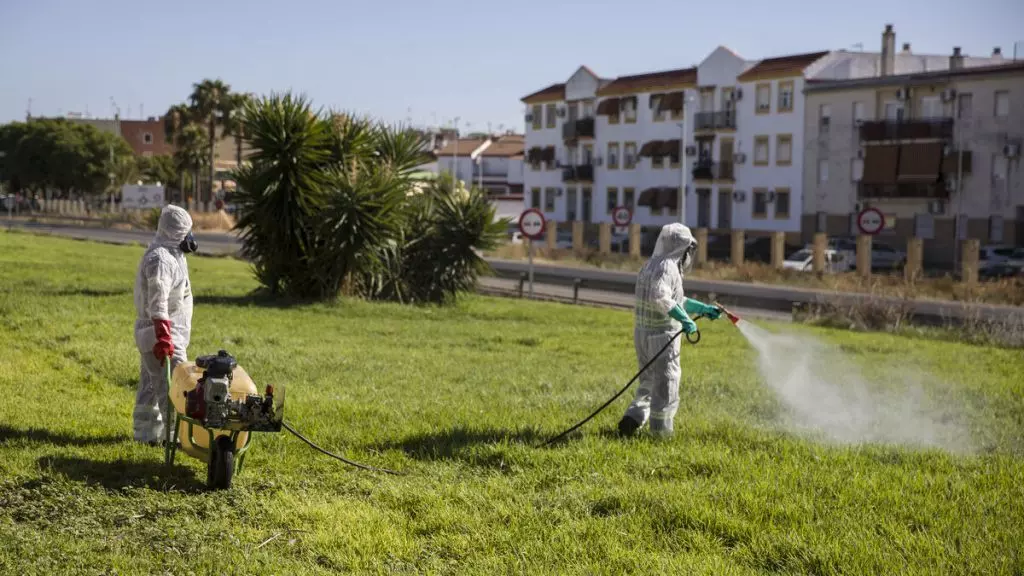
(761, 154)
(893, 111)
(824, 118)
(707, 100)
(588, 108)
(1002, 107)
(613, 116)
(629, 109)
(588, 154)
(147, 138)
(781, 203)
(856, 169)
(550, 111)
(764, 98)
(586, 204)
(728, 98)
(965, 106)
(931, 107)
(570, 204)
(822, 171)
(535, 198)
(784, 149)
(858, 112)
(657, 162)
(549, 199)
(628, 197)
(999, 163)
(629, 155)
(759, 206)
(613, 155)
(786, 96)
(674, 211)
(612, 199)
(657, 115)
(538, 117)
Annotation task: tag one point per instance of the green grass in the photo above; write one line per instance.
(457, 398)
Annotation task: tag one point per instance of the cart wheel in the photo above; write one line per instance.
(221, 466)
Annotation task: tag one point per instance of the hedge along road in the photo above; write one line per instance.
(776, 298)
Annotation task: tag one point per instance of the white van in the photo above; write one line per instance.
(835, 260)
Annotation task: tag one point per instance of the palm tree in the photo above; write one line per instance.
(233, 121)
(190, 154)
(211, 104)
(175, 120)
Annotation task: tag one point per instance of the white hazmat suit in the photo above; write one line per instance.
(661, 312)
(163, 321)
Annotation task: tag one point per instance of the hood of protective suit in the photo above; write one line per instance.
(673, 241)
(175, 223)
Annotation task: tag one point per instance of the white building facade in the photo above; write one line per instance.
(494, 165)
(594, 143)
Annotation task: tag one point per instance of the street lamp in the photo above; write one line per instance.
(682, 161)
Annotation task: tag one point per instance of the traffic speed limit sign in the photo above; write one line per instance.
(531, 224)
(622, 216)
(870, 221)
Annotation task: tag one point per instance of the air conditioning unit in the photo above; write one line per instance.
(903, 94)
(860, 153)
(948, 95)
(1011, 150)
(936, 207)
(739, 196)
(691, 150)
(737, 94)
(739, 158)
(560, 112)
(529, 117)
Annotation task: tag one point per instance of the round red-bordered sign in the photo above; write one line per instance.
(870, 221)
(532, 223)
(622, 216)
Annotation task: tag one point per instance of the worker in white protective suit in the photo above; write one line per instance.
(662, 311)
(163, 321)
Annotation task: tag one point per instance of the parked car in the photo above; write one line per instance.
(835, 260)
(563, 239)
(997, 253)
(1002, 270)
(883, 256)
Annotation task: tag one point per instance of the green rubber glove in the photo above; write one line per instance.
(677, 313)
(697, 307)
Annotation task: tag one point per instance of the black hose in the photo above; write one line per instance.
(335, 456)
(620, 392)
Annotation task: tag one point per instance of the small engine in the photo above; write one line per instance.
(210, 401)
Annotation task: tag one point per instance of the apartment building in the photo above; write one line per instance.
(899, 143)
(730, 132)
(494, 164)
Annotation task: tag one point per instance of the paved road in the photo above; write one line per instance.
(602, 283)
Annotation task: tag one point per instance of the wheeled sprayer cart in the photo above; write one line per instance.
(216, 407)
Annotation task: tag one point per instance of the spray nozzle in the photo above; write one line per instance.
(732, 317)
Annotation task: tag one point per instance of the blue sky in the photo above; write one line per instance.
(428, 60)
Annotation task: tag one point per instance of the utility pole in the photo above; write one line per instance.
(959, 127)
(682, 163)
(455, 155)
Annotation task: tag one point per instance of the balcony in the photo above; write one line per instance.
(876, 130)
(580, 173)
(712, 171)
(915, 191)
(722, 120)
(581, 128)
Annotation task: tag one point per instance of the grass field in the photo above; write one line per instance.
(457, 398)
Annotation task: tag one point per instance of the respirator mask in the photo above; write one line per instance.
(188, 245)
(686, 262)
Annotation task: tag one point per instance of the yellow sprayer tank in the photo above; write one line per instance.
(185, 378)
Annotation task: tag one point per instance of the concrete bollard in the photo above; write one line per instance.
(577, 236)
(969, 262)
(915, 259)
(738, 236)
(864, 255)
(701, 235)
(604, 243)
(634, 240)
(551, 234)
(818, 256)
(778, 249)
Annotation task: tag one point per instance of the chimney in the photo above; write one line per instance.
(888, 58)
(906, 47)
(997, 53)
(956, 61)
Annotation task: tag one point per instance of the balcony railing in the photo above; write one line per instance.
(580, 173)
(906, 190)
(580, 128)
(712, 171)
(906, 129)
(724, 119)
